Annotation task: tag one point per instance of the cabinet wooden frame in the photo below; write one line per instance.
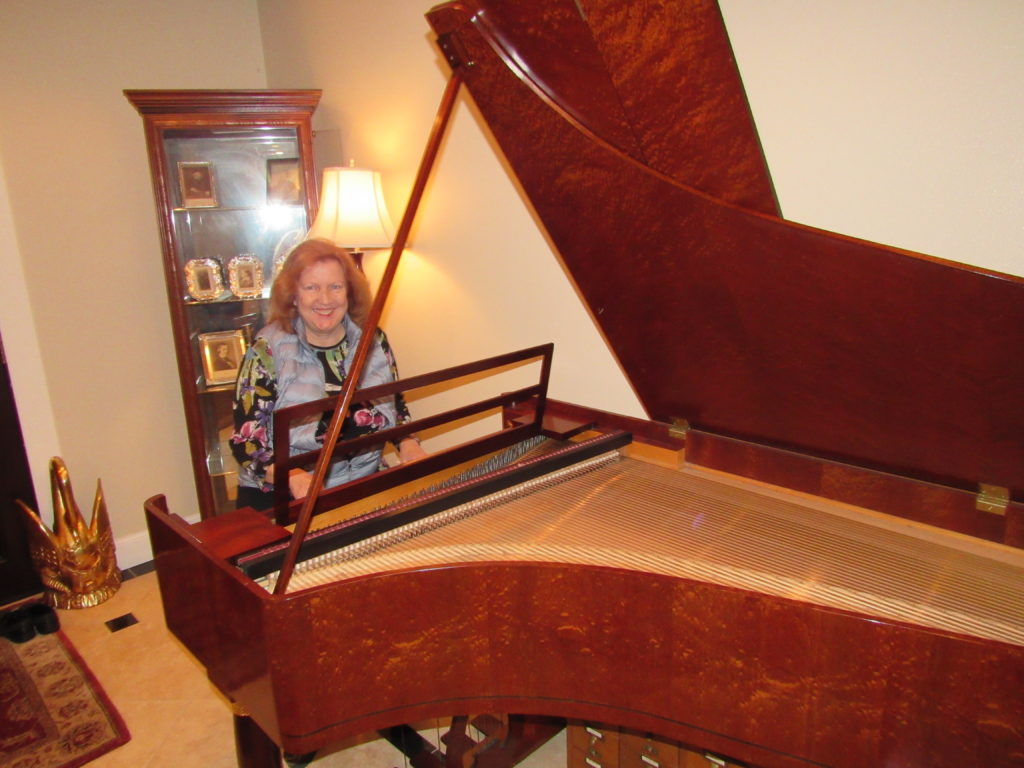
(208, 113)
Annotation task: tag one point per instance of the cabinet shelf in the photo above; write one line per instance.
(229, 181)
(220, 389)
(238, 208)
(226, 300)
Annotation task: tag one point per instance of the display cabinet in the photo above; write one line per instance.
(235, 189)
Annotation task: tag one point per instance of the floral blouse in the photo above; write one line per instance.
(256, 394)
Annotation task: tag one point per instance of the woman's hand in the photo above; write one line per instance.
(298, 482)
(410, 450)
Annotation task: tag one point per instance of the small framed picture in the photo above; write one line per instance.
(279, 261)
(245, 276)
(204, 279)
(284, 248)
(196, 183)
(284, 183)
(222, 354)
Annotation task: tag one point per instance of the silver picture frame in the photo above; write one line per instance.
(245, 276)
(204, 279)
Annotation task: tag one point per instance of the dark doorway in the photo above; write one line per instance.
(17, 576)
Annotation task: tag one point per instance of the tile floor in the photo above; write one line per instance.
(176, 718)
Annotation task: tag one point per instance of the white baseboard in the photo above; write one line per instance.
(134, 549)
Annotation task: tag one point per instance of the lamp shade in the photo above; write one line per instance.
(352, 211)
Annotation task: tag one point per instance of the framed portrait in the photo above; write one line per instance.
(245, 276)
(196, 183)
(204, 279)
(284, 182)
(222, 353)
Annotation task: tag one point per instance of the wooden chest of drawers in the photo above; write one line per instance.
(599, 746)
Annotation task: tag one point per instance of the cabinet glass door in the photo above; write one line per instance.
(233, 177)
(239, 209)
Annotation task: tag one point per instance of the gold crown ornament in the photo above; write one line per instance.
(77, 564)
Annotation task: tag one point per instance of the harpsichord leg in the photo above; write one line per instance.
(253, 747)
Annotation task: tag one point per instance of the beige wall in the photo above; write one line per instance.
(896, 122)
(21, 347)
(92, 361)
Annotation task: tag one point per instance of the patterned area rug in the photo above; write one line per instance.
(53, 713)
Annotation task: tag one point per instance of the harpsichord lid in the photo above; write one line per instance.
(626, 125)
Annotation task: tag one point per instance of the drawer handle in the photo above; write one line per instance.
(594, 732)
(650, 761)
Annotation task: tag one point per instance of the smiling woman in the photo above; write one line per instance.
(319, 303)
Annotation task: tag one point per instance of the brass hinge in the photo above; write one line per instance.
(454, 51)
(679, 428)
(992, 498)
